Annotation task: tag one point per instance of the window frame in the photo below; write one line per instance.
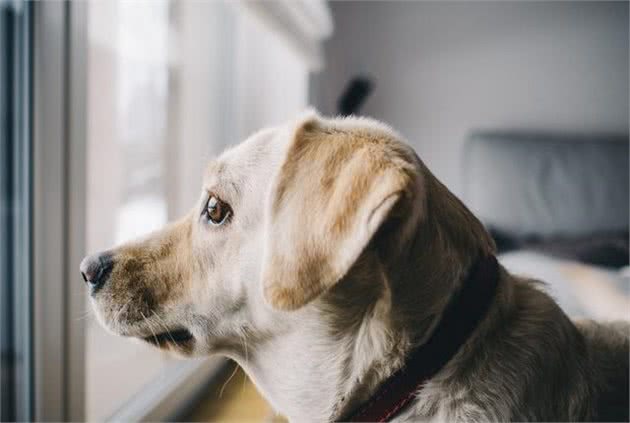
(15, 197)
(58, 203)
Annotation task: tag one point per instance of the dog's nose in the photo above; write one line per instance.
(95, 270)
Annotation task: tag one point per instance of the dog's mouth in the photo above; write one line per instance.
(177, 337)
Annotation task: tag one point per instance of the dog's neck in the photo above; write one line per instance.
(332, 364)
(322, 370)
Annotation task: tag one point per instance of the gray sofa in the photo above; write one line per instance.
(557, 206)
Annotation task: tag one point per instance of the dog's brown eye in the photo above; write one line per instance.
(217, 211)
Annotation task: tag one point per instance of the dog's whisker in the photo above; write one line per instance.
(160, 322)
(154, 325)
(85, 315)
(150, 328)
(228, 380)
(243, 336)
(246, 349)
(120, 310)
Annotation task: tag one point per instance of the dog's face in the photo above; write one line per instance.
(189, 287)
(281, 219)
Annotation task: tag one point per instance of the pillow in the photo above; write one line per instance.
(581, 290)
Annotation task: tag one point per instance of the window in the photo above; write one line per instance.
(110, 111)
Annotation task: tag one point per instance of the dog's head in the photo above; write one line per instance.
(295, 225)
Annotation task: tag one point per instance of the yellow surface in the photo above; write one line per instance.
(235, 399)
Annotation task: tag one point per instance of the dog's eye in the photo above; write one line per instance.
(217, 212)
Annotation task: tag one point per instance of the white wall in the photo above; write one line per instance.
(272, 78)
(444, 68)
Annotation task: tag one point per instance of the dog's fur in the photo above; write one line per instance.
(341, 254)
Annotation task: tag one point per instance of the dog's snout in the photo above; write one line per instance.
(95, 270)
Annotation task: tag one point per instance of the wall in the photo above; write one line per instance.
(444, 68)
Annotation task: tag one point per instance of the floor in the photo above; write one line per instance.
(234, 399)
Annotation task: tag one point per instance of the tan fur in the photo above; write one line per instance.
(346, 197)
(358, 248)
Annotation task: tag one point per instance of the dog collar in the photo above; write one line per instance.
(459, 320)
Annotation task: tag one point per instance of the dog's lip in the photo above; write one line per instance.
(177, 336)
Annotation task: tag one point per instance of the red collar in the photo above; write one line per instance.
(459, 320)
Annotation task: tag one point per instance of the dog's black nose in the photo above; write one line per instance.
(95, 270)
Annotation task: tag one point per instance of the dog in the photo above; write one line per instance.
(320, 255)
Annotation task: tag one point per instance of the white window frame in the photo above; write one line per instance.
(58, 208)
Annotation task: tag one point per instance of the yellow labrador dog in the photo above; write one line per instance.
(350, 284)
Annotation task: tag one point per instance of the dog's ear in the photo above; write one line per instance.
(333, 191)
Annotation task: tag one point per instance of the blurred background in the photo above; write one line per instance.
(110, 109)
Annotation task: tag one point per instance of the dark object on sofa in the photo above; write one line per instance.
(559, 194)
(610, 250)
(354, 95)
